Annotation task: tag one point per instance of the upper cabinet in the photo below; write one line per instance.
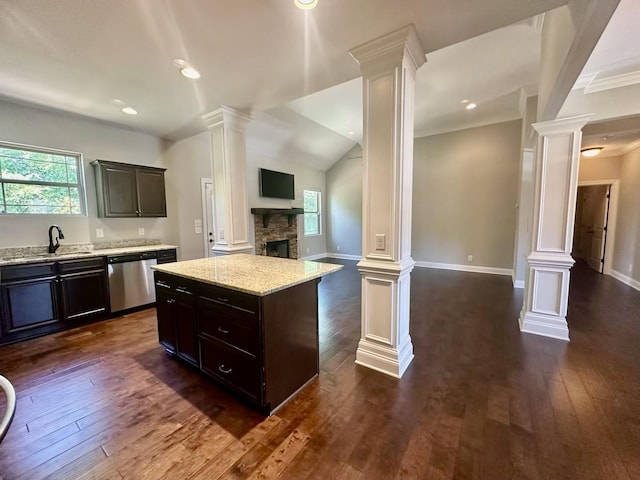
(129, 190)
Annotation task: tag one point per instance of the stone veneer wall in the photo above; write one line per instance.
(278, 229)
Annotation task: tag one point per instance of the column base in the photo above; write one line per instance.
(385, 359)
(231, 250)
(545, 325)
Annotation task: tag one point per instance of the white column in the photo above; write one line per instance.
(228, 156)
(388, 65)
(546, 294)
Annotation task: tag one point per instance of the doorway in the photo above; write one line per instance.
(595, 224)
(207, 215)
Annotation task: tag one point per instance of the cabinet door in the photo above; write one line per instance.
(119, 190)
(29, 305)
(166, 320)
(151, 197)
(187, 345)
(84, 294)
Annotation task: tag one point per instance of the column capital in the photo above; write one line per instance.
(228, 117)
(561, 126)
(389, 51)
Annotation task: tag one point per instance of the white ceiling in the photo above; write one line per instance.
(268, 58)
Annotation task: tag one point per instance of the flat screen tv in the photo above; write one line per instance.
(276, 184)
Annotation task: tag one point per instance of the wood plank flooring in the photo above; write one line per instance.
(479, 401)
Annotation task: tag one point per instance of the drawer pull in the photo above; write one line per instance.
(183, 290)
(163, 285)
(222, 330)
(223, 370)
(224, 300)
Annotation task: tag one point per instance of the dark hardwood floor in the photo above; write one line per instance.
(480, 400)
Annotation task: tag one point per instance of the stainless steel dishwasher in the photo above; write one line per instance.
(131, 280)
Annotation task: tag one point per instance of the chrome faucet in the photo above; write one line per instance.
(53, 247)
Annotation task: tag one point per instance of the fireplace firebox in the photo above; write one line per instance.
(278, 248)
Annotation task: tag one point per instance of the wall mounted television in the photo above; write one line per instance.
(276, 184)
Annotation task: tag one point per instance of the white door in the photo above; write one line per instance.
(207, 215)
(599, 230)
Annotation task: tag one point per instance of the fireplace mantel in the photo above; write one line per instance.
(267, 213)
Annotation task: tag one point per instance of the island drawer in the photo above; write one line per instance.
(244, 336)
(232, 367)
(231, 300)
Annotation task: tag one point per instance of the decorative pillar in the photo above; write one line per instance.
(388, 65)
(228, 155)
(546, 294)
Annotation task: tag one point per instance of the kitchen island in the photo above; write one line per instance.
(249, 322)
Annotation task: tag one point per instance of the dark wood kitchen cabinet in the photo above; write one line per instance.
(177, 319)
(262, 348)
(40, 298)
(125, 190)
(29, 303)
(84, 291)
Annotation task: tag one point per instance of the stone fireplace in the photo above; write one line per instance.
(276, 231)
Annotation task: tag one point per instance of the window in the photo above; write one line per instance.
(312, 204)
(36, 180)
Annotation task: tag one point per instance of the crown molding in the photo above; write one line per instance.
(562, 126)
(615, 81)
(584, 81)
(630, 147)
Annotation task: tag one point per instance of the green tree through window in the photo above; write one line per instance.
(312, 204)
(39, 181)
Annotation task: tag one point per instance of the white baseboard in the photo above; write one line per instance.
(466, 268)
(344, 256)
(314, 257)
(624, 279)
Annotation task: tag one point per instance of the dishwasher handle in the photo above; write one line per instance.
(131, 257)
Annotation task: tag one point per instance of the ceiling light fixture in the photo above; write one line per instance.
(352, 133)
(129, 110)
(190, 72)
(471, 106)
(464, 101)
(306, 4)
(591, 151)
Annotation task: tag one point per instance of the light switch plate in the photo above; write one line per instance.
(99, 233)
(380, 241)
(197, 222)
(141, 231)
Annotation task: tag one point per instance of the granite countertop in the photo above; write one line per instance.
(254, 274)
(87, 252)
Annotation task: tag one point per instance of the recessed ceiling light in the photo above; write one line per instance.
(591, 151)
(305, 4)
(190, 72)
(464, 101)
(352, 133)
(471, 106)
(129, 111)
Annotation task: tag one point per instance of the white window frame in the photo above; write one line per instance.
(318, 213)
(80, 185)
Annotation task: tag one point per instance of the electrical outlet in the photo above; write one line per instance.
(380, 237)
(198, 230)
(99, 233)
(197, 222)
(307, 250)
(338, 247)
(630, 269)
(221, 234)
(141, 231)
(469, 258)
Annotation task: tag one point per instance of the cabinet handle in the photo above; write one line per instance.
(163, 285)
(183, 290)
(222, 369)
(224, 300)
(222, 330)
(171, 300)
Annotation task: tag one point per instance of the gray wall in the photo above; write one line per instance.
(344, 204)
(627, 246)
(32, 126)
(464, 196)
(188, 161)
